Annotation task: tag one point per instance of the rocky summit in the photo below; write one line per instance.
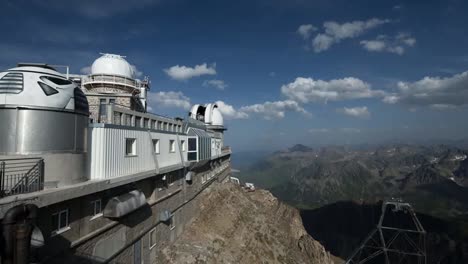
(236, 226)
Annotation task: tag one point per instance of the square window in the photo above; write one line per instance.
(97, 209)
(182, 143)
(59, 221)
(172, 222)
(130, 146)
(152, 238)
(172, 146)
(156, 146)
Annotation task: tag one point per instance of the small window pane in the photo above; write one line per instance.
(192, 144)
(156, 146)
(130, 146)
(172, 145)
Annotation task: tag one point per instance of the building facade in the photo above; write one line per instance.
(87, 175)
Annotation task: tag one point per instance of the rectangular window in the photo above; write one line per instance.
(111, 101)
(97, 209)
(172, 146)
(160, 125)
(153, 124)
(152, 238)
(192, 149)
(170, 127)
(156, 146)
(137, 121)
(130, 146)
(182, 143)
(145, 123)
(172, 223)
(60, 221)
(102, 107)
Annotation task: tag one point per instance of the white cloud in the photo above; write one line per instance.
(218, 84)
(391, 99)
(307, 90)
(229, 112)
(351, 130)
(182, 73)
(170, 99)
(274, 110)
(86, 70)
(306, 30)
(437, 92)
(382, 43)
(136, 72)
(360, 112)
(335, 32)
(318, 130)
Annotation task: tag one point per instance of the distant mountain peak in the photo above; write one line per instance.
(300, 148)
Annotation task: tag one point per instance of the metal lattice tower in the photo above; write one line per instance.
(398, 238)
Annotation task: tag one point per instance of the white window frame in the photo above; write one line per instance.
(58, 229)
(133, 151)
(151, 232)
(156, 146)
(172, 148)
(182, 143)
(99, 213)
(172, 224)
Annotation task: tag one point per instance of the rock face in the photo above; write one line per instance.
(235, 226)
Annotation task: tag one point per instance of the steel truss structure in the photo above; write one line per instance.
(398, 238)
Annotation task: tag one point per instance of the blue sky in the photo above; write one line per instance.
(285, 72)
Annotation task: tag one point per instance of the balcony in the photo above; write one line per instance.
(18, 176)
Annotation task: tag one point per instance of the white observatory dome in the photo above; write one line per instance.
(113, 65)
(217, 117)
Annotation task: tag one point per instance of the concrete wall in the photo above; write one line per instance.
(90, 239)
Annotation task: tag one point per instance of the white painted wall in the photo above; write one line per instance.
(107, 157)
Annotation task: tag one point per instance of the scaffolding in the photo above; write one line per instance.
(398, 238)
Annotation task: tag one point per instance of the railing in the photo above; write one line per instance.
(114, 79)
(225, 150)
(19, 176)
(113, 114)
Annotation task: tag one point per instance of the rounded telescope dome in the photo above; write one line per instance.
(217, 117)
(112, 64)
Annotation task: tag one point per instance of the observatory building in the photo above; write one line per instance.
(89, 175)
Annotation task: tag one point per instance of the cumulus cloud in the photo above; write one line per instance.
(335, 32)
(229, 112)
(274, 110)
(350, 130)
(360, 112)
(218, 84)
(383, 43)
(170, 99)
(182, 73)
(436, 92)
(318, 130)
(305, 90)
(306, 30)
(86, 70)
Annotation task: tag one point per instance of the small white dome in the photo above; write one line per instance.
(217, 117)
(112, 64)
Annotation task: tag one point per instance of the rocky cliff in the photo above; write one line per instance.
(235, 226)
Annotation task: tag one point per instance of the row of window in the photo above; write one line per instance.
(60, 219)
(152, 233)
(131, 146)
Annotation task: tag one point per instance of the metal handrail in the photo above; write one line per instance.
(19, 176)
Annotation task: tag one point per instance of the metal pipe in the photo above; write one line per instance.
(16, 236)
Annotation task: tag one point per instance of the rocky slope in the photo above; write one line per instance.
(235, 226)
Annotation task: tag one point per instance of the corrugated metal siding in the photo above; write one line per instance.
(107, 152)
